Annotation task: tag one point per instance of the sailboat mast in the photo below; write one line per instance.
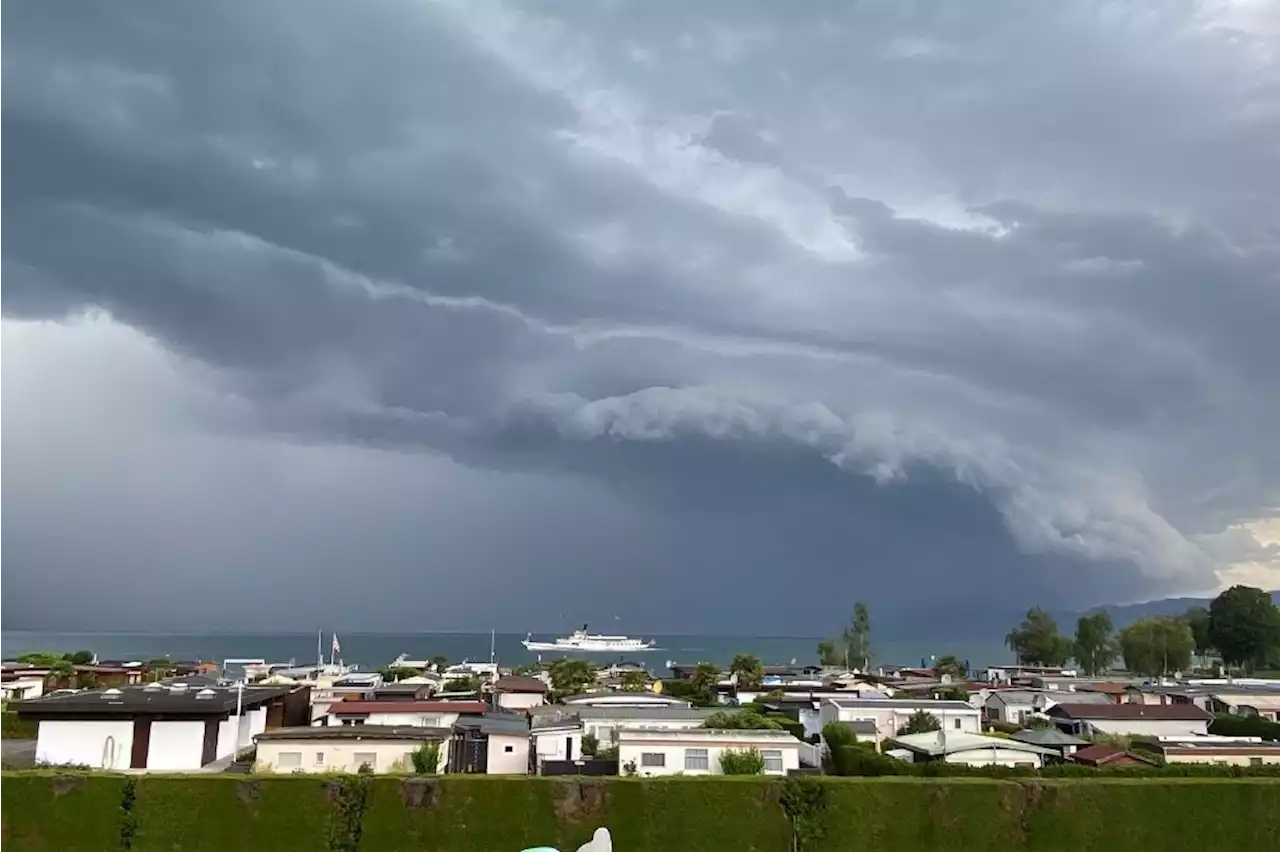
(493, 639)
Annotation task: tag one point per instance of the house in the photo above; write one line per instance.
(383, 748)
(1131, 719)
(20, 684)
(158, 726)
(400, 691)
(492, 744)
(1263, 704)
(556, 736)
(969, 749)
(1105, 755)
(698, 751)
(425, 714)
(890, 714)
(515, 692)
(1223, 751)
(1011, 706)
(603, 722)
(1051, 738)
(803, 710)
(625, 699)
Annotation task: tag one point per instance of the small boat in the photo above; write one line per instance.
(582, 641)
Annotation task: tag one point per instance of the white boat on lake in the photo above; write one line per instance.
(595, 643)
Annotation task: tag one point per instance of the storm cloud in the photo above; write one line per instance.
(448, 316)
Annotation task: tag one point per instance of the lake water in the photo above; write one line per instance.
(374, 650)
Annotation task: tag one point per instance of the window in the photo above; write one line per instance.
(508, 749)
(652, 758)
(1255, 761)
(696, 758)
(353, 721)
(365, 758)
(319, 758)
(772, 760)
(290, 759)
(957, 724)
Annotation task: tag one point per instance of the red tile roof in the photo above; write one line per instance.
(1172, 712)
(361, 708)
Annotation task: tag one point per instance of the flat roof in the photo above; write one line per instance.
(735, 734)
(152, 698)
(903, 703)
(364, 708)
(655, 713)
(496, 723)
(1171, 712)
(356, 732)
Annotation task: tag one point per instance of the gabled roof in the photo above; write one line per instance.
(1101, 755)
(364, 708)
(1047, 737)
(1169, 712)
(935, 744)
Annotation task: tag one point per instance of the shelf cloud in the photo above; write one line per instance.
(489, 311)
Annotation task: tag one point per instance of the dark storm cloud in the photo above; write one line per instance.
(533, 300)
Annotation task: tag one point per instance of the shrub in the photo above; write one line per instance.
(742, 762)
(740, 720)
(590, 745)
(1229, 725)
(426, 759)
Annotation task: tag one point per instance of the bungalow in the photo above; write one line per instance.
(515, 692)
(1110, 756)
(492, 744)
(383, 748)
(556, 736)
(158, 726)
(1131, 719)
(603, 722)
(425, 714)
(699, 751)
(1263, 704)
(1223, 751)
(969, 749)
(625, 699)
(890, 714)
(1051, 738)
(1011, 706)
(20, 684)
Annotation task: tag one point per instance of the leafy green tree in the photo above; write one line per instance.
(84, 658)
(635, 682)
(953, 693)
(740, 720)
(471, 683)
(1197, 618)
(749, 671)
(741, 762)
(440, 662)
(1095, 645)
(571, 677)
(1037, 642)
(920, 722)
(703, 684)
(1157, 645)
(391, 674)
(828, 655)
(948, 664)
(852, 647)
(426, 759)
(1244, 626)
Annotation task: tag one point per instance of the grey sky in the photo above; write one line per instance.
(445, 316)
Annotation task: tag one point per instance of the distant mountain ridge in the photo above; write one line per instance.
(1122, 614)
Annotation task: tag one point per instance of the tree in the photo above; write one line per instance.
(1197, 618)
(920, 722)
(852, 647)
(740, 720)
(471, 683)
(828, 655)
(84, 658)
(1157, 645)
(703, 684)
(1244, 625)
(571, 677)
(635, 681)
(440, 662)
(590, 744)
(948, 664)
(1095, 645)
(1037, 642)
(390, 674)
(749, 671)
(741, 762)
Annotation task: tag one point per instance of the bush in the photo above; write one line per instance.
(14, 728)
(740, 720)
(426, 759)
(590, 745)
(742, 762)
(1230, 725)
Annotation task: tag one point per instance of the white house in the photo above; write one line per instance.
(23, 685)
(345, 749)
(171, 727)
(1152, 720)
(514, 692)
(1222, 751)
(424, 714)
(969, 749)
(1264, 704)
(1011, 706)
(506, 744)
(603, 722)
(556, 736)
(890, 714)
(698, 752)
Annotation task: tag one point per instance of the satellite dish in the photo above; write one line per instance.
(599, 842)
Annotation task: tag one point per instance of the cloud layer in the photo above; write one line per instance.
(919, 303)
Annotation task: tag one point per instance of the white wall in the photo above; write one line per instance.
(674, 752)
(319, 756)
(228, 733)
(23, 688)
(604, 728)
(1150, 727)
(503, 762)
(1009, 712)
(995, 757)
(1223, 759)
(420, 720)
(520, 700)
(176, 745)
(85, 743)
(554, 745)
(893, 715)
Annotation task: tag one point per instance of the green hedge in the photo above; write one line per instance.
(43, 810)
(1228, 725)
(11, 727)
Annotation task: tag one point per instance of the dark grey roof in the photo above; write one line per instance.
(152, 698)
(628, 713)
(1047, 737)
(492, 723)
(401, 689)
(356, 732)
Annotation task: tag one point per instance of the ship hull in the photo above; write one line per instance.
(588, 649)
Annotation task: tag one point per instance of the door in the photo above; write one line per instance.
(568, 748)
(141, 744)
(209, 750)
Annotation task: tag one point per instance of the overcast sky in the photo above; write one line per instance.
(715, 316)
